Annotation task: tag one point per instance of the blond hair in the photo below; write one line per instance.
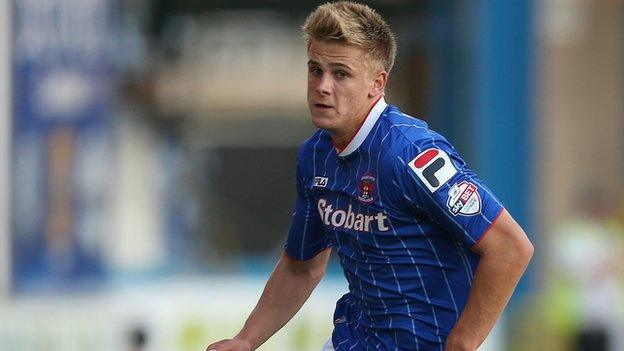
(353, 24)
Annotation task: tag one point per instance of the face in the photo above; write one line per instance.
(341, 86)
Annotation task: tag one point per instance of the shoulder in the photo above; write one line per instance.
(312, 148)
(314, 143)
(410, 136)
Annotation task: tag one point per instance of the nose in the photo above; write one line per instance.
(324, 85)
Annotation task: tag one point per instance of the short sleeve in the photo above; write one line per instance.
(306, 237)
(436, 182)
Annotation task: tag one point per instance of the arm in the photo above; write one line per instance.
(289, 286)
(505, 253)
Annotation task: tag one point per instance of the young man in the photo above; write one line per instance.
(430, 255)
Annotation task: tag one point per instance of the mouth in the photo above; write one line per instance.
(322, 106)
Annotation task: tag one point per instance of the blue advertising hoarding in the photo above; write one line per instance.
(62, 102)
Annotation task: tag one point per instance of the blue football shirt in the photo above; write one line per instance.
(401, 209)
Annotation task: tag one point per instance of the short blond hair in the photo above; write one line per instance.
(353, 24)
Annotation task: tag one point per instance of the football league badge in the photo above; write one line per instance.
(367, 186)
(464, 199)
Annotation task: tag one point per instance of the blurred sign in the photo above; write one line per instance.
(62, 100)
(226, 67)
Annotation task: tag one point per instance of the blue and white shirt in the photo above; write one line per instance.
(401, 209)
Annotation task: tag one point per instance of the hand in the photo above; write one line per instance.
(230, 345)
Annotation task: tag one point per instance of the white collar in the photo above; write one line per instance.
(365, 129)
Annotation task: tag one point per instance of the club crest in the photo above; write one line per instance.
(366, 188)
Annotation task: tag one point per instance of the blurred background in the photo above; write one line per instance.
(147, 153)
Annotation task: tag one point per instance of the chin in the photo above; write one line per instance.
(323, 122)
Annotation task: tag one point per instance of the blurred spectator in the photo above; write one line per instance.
(588, 261)
(137, 338)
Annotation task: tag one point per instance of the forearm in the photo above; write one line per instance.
(285, 292)
(495, 279)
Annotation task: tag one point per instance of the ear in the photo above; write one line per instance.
(378, 87)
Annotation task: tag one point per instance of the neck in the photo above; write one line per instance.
(341, 139)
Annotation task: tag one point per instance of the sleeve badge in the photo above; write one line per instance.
(433, 167)
(464, 199)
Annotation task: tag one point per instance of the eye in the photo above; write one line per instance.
(315, 71)
(341, 74)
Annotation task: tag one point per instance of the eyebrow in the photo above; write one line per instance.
(333, 64)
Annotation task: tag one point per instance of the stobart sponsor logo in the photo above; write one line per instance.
(351, 220)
